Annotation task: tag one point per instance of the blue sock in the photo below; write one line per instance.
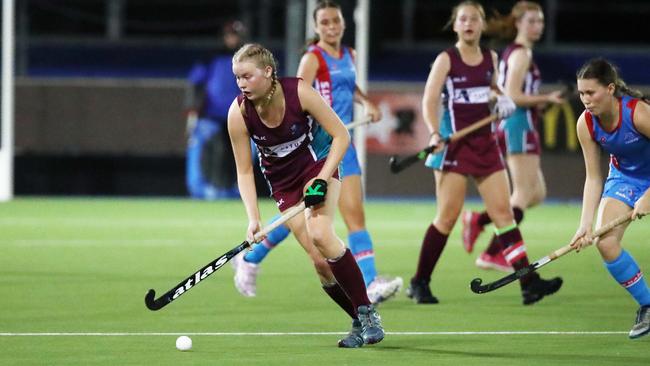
(361, 247)
(274, 238)
(626, 272)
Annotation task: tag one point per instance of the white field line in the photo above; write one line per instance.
(280, 334)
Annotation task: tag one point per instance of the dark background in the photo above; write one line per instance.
(100, 82)
(160, 38)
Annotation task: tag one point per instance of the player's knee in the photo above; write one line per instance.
(320, 235)
(608, 251)
(445, 224)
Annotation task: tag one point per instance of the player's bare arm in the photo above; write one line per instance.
(431, 97)
(308, 68)
(593, 185)
(245, 177)
(518, 64)
(641, 120)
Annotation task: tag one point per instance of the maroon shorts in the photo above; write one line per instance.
(289, 196)
(473, 155)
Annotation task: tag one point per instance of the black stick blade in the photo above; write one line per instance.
(394, 164)
(397, 166)
(476, 286)
(153, 304)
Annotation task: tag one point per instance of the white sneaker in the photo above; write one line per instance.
(245, 275)
(383, 288)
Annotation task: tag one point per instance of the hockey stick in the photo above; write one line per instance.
(481, 289)
(359, 123)
(397, 166)
(214, 265)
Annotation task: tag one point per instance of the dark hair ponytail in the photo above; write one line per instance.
(504, 26)
(606, 73)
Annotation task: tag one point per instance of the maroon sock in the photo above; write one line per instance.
(348, 275)
(337, 294)
(432, 245)
(515, 251)
(484, 218)
(518, 213)
(495, 246)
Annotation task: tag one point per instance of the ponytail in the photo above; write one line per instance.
(501, 26)
(607, 73)
(622, 88)
(504, 26)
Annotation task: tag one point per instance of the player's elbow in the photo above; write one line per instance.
(342, 137)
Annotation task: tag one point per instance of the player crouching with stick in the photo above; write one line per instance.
(291, 125)
(618, 120)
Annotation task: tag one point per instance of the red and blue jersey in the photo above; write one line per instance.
(629, 150)
(336, 80)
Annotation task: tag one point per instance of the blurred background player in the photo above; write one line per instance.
(520, 79)
(330, 67)
(301, 142)
(210, 170)
(616, 119)
(467, 75)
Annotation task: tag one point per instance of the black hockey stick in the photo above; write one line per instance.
(478, 288)
(200, 275)
(397, 165)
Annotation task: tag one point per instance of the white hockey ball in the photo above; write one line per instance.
(184, 343)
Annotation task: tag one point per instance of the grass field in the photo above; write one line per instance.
(74, 272)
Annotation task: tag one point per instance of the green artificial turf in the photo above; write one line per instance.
(70, 267)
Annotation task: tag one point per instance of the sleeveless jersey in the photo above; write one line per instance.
(293, 147)
(466, 95)
(629, 150)
(467, 91)
(336, 80)
(532, 80)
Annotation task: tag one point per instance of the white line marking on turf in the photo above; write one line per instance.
(271, 334)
